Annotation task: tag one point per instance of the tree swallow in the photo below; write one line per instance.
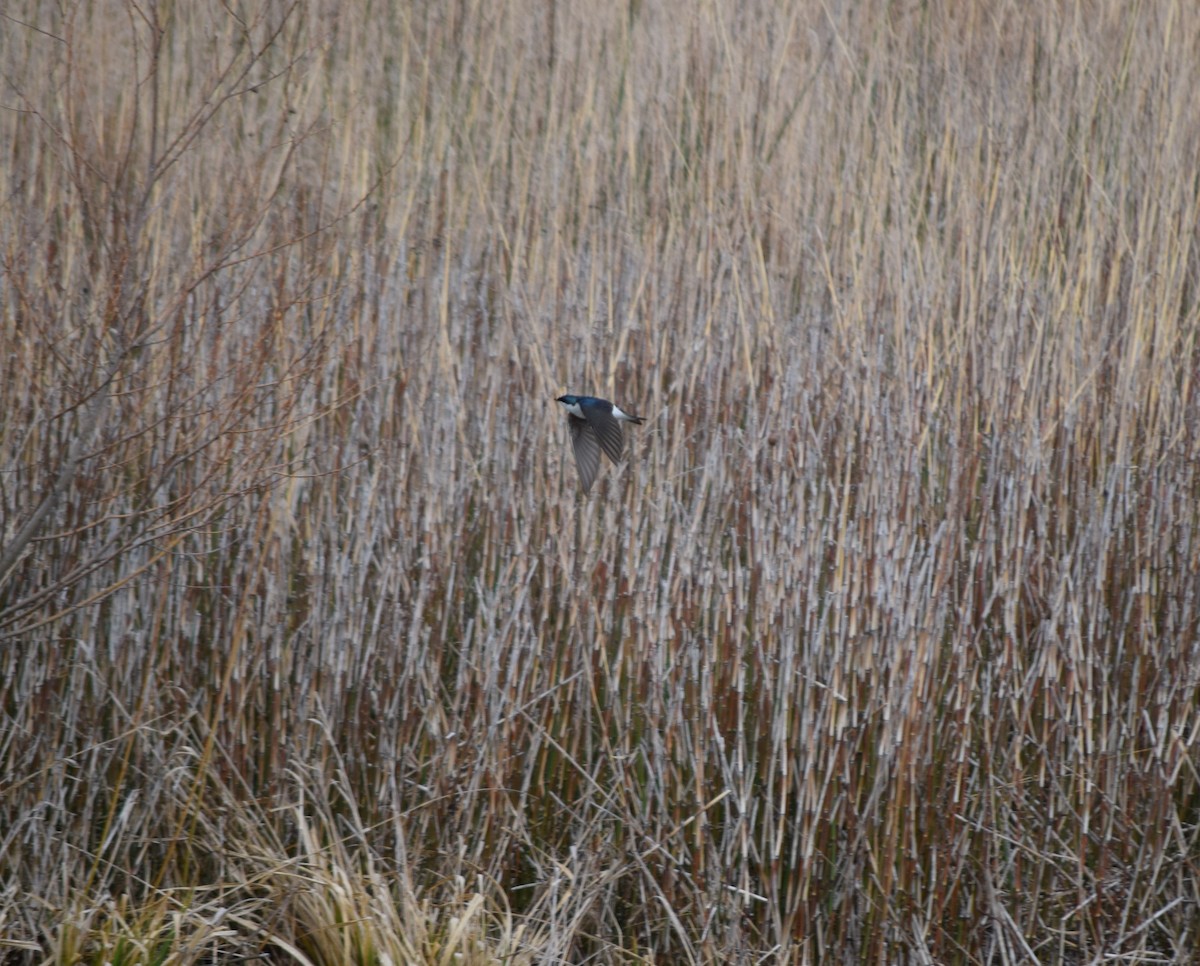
(595, 425)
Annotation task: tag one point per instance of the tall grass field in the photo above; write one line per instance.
(881, 646)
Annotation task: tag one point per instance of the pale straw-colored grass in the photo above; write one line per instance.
(883, 646)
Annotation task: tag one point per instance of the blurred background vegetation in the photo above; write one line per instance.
(881, 647)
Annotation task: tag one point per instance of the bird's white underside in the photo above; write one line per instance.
(618, 413)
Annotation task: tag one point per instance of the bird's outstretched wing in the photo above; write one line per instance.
(587, 450)
(608, 431)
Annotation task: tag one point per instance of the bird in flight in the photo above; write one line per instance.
(595, 425)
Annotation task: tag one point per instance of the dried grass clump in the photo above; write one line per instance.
(885, 644)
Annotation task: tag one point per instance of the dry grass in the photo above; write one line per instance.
(883, 647)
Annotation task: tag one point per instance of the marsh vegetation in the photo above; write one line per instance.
(884, 644)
